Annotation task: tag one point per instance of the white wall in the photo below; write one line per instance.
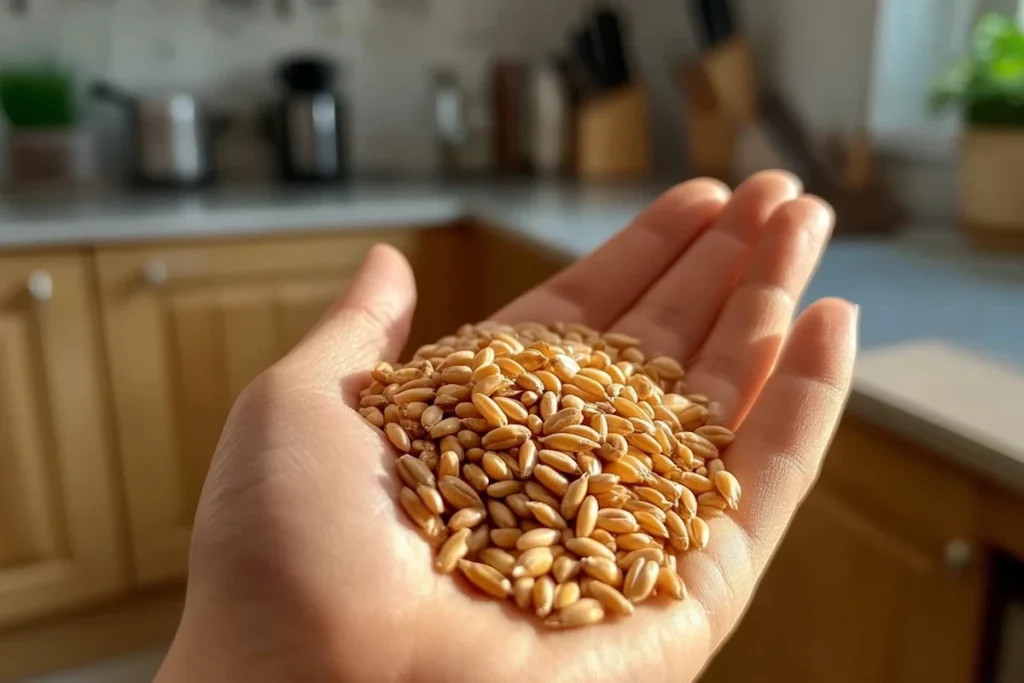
(819, 53)
(822, 55)
(228, 56)
(823, 65)
(1004, 6)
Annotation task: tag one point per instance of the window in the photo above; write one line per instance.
(914, 39)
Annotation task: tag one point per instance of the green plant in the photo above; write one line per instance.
(987, 81)
(34, 98)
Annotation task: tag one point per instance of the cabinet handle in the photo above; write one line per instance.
(958, 555)
(40, 285)
(155, 273)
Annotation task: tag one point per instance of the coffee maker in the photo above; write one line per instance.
(307, 123)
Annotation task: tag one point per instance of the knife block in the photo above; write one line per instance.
(613, 136)
(711, 135)
(720, 99)
(729, 69)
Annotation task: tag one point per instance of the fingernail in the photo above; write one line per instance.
(828, 212)
(797, 183)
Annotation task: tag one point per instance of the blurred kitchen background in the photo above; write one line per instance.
(185, 185)
(415, 83)
(394, 63)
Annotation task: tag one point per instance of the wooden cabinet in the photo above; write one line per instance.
(872, 582)
(60, 528)
(187, 328)
(118, 366)
(510, 266)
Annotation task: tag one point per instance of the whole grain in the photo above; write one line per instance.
(555, 466)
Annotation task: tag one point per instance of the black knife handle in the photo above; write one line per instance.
(705, 29)
(715, 21)
(610, 48)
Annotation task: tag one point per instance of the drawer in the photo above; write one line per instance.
(183, 263)
(914, 491)
(188, 326)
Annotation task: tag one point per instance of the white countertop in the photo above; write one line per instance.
(951, 400)
(570, 219)
(926, 287)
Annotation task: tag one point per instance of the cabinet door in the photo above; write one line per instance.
(189, 326)
(859, 591)
(513, 266)
(60, 542)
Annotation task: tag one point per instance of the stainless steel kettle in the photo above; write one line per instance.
(308, 134)
(172, 136)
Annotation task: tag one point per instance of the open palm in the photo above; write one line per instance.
(303, 568)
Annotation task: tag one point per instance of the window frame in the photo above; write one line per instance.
(919, 136)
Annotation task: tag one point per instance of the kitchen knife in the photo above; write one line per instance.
(575, 73)
(590, 72)
(610, 47)
(714, 19)
(724, 20)
(702, 21)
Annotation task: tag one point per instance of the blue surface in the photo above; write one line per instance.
(913, 292)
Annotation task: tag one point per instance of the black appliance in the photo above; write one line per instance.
(172, 136)
(307, 123)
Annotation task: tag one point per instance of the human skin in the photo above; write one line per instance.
(303, 568)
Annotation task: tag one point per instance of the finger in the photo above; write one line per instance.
(368, 323)
(736, 358)
(674, 316)
(776, 457)
(779, 448)
(599, 288)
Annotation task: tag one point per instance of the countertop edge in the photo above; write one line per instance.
(225, 222)
(972, 455)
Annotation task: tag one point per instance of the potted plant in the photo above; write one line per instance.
(44, 144)
(987, 83)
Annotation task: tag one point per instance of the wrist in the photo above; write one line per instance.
(206, 649)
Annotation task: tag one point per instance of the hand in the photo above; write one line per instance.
(303, 567)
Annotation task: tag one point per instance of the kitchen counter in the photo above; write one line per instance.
(954, 401)
(923, 285)
(572, 220)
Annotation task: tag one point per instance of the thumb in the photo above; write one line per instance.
(368, 323)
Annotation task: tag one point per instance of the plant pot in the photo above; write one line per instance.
(49, 159)
(991, 195)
